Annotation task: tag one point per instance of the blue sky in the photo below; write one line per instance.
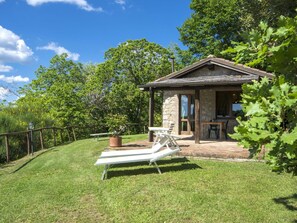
(33, 31)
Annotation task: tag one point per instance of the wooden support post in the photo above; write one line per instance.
(28, 142)
(197, 116)
(151, 114)
(54, 132)
(7, 148)
(178, 115)
(74, 136)
(41, 138)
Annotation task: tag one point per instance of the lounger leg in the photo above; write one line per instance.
(104, 174)
(157, 168)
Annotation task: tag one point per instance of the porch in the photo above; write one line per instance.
(206, 148)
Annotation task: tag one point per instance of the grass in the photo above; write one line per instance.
(63, 185)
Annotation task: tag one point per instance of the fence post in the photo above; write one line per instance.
(73, 134)
(7, 148)
(54, 131)
(41, 138)
(61, 135)
(28, 143)
(32, 141)
(69, 139)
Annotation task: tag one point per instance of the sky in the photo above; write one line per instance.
(33, 31)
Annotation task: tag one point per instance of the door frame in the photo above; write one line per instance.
(190, 118)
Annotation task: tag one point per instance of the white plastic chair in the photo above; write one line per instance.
(160, 131)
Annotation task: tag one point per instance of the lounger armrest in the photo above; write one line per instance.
(170, 136)
(176, 137)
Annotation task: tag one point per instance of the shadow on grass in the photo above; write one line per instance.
(290, 203)
(101, 140)
(132, 145)
(28, 158)
(31, 159)
(184, 165)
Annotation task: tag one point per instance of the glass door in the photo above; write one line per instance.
(187, 114)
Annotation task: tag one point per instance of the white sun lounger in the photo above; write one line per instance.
(155, 148)
(151, 158)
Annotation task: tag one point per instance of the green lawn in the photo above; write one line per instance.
(63, 185)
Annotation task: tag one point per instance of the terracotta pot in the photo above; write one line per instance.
(115, 141)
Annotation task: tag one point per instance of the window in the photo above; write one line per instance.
(228, 104)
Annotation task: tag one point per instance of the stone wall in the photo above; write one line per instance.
(207, 112)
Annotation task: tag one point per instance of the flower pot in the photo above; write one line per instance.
(115, 141)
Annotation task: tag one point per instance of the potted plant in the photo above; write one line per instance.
(116, 124)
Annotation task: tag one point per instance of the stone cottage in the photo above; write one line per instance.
(209, 89)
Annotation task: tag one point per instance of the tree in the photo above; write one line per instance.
(270, 106)
(270, 49)
(97, 87)
(214, 24)
(182, 58)
(268, 11)
(134, 63)
(271, 121)
(61, 88)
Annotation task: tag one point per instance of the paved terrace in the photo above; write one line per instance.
(211, 149)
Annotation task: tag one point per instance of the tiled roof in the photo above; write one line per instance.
(176, 79)
(203, 81)
(219, 62)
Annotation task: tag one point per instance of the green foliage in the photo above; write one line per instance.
(271, 120)
(138, 61)
(134, 63)
(8, 123)
(98, 83)
(270, 106)
(271, 49)
(116, 123)
(67, 93)
(255, 11)
(214, 24)
(11, 123)
(59, 91)
(182, 58)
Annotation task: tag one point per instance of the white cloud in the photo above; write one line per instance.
(122, 3)
(12, 48)
(59, 50)
(12, 79)
(3, 93)
(83, 4)
(2, 1)
(5, 68)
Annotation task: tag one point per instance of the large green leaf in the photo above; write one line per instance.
(254, 108)
(290, 137)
